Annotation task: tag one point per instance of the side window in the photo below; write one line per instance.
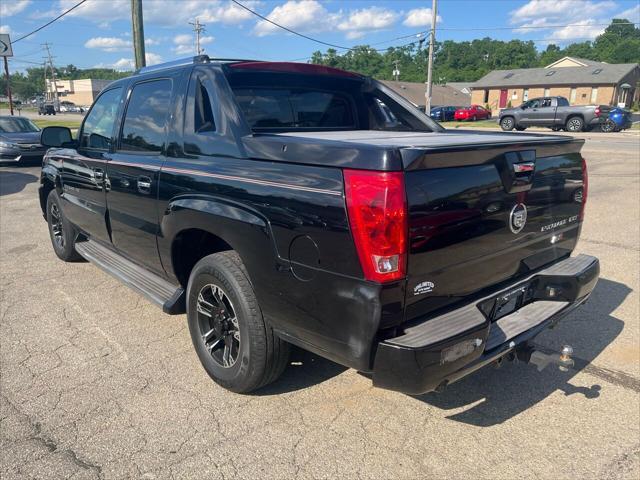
(98, 126)
(144, 122)
(200, 124)
(534, 103)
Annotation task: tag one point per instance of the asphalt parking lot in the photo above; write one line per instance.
(98, 383)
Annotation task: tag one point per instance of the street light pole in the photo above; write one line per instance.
(432, 41)
(138, 33)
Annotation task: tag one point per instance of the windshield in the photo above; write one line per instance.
(17, 125)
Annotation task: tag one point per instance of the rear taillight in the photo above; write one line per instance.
(585, 187)
(597, 111)
(377, 209)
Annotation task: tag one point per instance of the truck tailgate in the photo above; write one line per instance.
(482, 216)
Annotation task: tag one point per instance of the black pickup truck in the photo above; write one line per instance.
(282, 203)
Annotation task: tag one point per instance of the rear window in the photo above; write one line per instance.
(269, 108)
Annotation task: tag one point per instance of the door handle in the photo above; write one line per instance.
(144, 184)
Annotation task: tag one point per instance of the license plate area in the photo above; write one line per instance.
(508, 302)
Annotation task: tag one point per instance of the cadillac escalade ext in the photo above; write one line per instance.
(281, 203)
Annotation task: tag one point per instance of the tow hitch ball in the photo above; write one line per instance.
(541, 359)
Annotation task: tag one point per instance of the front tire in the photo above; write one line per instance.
(507, 124)
(62, 233)
(574, 124)
(235, 344)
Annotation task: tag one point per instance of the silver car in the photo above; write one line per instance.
(19, 140)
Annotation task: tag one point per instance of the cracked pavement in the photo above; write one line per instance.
(95, 382)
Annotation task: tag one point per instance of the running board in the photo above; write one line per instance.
(164, 294)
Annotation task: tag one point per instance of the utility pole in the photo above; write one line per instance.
(396, 70)
(53, 76)
(6, 72)
(198, 28)
(432, 41)
(138, 33)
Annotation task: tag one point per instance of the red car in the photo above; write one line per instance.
(473, 113)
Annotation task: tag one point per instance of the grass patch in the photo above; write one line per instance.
(478, 124)
(73, 124)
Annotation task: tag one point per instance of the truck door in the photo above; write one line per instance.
(133, 171)
(83, 171)
(530, 115)
(546, 112)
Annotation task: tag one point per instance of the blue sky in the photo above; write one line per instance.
(98, 33)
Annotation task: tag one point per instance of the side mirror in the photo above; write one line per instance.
(56, 137)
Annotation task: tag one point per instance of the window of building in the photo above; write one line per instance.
(594, 94)
(550, 73)
(525, 95)
(144, 123)
(596, 71)
(97, 130)
(486, 96)
(547, 92)
(572, 97)
(508, 75)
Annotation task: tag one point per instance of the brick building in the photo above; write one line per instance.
(582, 82)
(81, 92)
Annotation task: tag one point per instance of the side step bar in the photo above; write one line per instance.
(169, 297)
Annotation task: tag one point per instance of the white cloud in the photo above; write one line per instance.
(420, 17)
(9, 8)
(108, 44)
(584, 18)
(631, 14)
(590, 28)
(360, 22)
(309, 16)
(185, 44)
(565, 10)
(127, 64)
(300, 15)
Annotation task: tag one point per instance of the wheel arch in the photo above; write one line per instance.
(196, 226)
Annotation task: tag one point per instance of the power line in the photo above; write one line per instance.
(49, 22)
(288, 29)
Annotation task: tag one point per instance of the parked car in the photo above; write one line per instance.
(472, 113)
(19, 140)
(279, 203)
(555, 113)
(443, 114)
(46, 109)
(617, 120)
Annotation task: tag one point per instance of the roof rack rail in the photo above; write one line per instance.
(175, 63)
(188, 61)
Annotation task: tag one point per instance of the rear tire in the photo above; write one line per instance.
(224, 316)
(62, 233)
(574, 124)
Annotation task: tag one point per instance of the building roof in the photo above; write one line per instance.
(464, 87)
(440, 95)
(594, 73)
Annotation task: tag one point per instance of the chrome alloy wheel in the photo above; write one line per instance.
(219, 327)
(574, 125)
(56, 225)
